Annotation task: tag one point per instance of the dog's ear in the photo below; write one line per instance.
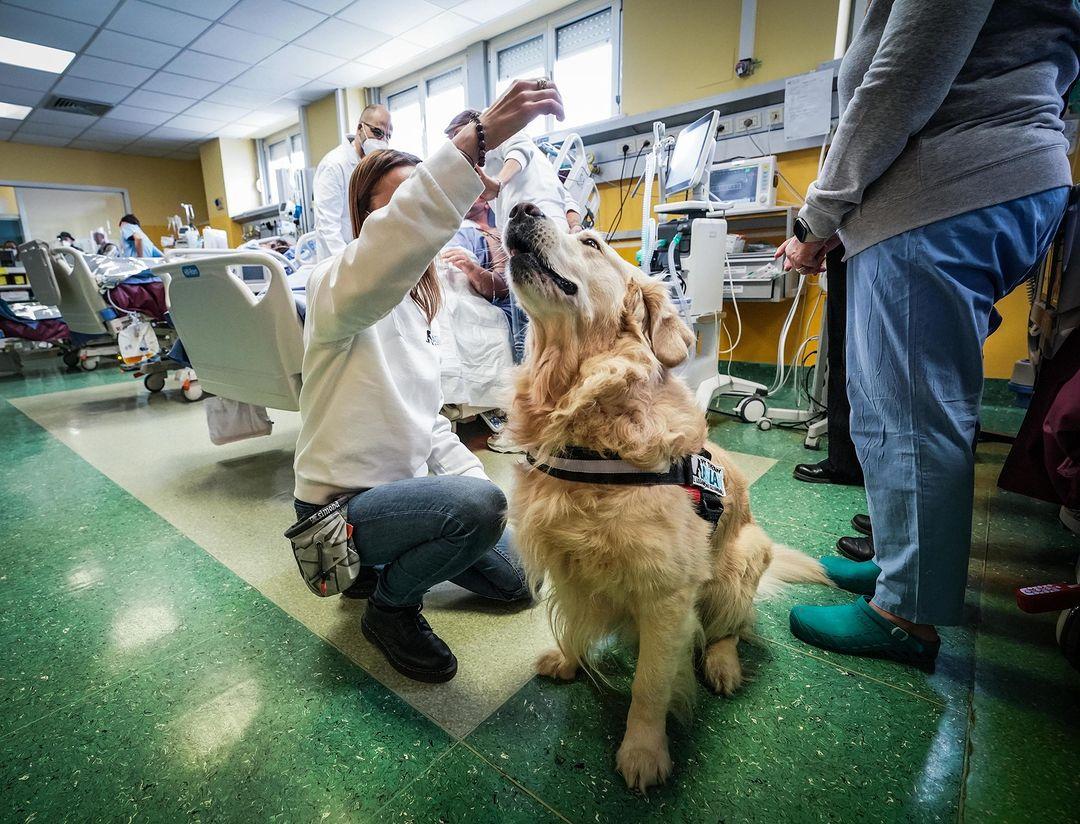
(665, 331)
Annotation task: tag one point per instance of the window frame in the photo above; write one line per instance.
(547, 27)
(419, 81)
(288, 136)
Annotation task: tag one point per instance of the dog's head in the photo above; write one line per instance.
(580, 294)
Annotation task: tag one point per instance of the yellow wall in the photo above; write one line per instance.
(230, 170)
(674, 53)
(8, 204)
(322, 127)
(355, 100)
(156, 186)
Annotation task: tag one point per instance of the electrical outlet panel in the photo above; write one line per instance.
(747, 122)
(774, 117)
(725, 127)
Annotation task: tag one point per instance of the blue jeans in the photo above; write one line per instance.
(919, 309)
(424, 531)
(518, 322)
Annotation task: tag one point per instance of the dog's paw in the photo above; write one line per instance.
(721, 667)
(554, 664)
(643, 765)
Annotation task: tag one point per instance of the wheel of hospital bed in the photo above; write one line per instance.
(154, 382)
(88, 364)
(70, 358)
(193, 391)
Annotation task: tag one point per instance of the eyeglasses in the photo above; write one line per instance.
(376, 132)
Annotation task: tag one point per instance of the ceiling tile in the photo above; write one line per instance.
(239, 96)
(393, 18)
(93, 12)
(44, 29)
(172, 133)
(81, 121)
(314, 90)
(208, 9)
(215, 111)
(8, 124)
(349, 75)
(301, 62)
(484, 10)
(391, 54)
(39, 140)
(198, 125)
(98, 144)
(157, 100)
(51, 129)
(439, 30)
(260, 118)
(128, 49)
(179, 85)
(206, 66)
(157, 23)
(342, 39)
(23, 97)
(274, 18)
(108, 71)
(264, 79)
(138, 115)
(22, 78)
(325, 6)
(235, 130)
(117, 128)
(237, 44)
(446, 4)
(91, 90)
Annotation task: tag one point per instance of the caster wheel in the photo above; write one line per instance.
(1068, 635)
(751, 409)
(89, 364)
(154, 382)
(812, 443)
(193, 391)
(71, 359)
(765, 424)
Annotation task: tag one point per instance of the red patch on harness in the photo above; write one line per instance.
(694, 493)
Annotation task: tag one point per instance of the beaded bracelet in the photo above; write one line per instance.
(481, 140)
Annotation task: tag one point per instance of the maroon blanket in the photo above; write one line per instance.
(146, 298)
(49, 331)
(1044, 462)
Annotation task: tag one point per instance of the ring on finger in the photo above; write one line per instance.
(541, 84)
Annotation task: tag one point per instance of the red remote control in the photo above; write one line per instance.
(1048, 597)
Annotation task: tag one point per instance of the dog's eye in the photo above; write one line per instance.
(588, 241)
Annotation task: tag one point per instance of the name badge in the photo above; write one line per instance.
(190, 271)
(707, 475)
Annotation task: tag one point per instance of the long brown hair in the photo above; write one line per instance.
(365, 178)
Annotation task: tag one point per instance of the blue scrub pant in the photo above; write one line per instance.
(919, 309)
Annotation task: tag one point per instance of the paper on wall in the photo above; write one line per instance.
(808, 105)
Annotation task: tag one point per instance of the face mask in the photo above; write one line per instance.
(372, 145)
(127, 230)
(65, 242)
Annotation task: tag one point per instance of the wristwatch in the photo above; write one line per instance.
(802, 232)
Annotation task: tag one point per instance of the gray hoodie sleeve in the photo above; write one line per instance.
(923, 47)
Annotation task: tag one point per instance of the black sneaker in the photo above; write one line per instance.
(862, 524)
(405, 638)
(364, 585)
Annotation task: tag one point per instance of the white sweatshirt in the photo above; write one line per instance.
(536, 183)
(370, 399)
(333, 225)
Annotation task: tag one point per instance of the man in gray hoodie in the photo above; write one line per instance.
(946, 182)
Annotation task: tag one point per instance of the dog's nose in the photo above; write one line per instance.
(523, 209)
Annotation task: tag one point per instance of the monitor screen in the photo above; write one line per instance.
(688, 158)
(252, 274)
(737, 185)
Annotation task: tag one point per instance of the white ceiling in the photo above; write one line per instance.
(180, 73)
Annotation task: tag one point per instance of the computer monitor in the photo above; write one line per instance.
(692, 155)
(746, 183)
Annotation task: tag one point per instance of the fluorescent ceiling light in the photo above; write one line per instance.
(33, 56)
(13, 112)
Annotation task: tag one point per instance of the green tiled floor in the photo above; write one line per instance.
(142, 680)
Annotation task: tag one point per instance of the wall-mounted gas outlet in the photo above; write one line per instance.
(725, 127)
(774, 117)
(747, 122)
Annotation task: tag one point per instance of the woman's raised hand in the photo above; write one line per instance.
(518, 106)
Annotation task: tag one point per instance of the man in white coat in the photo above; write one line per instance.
(333, 227)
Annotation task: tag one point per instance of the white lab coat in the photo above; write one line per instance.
(536, 183)
(333, 226)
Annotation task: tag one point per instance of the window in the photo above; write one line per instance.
(579, 52)
(422, 109)
(284, 156)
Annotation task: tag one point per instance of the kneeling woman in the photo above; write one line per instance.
(371, 427)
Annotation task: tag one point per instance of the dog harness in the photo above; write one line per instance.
(697, 474)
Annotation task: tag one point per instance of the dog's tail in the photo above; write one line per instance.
(789, 566)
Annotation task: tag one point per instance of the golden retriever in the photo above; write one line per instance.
(633, 560)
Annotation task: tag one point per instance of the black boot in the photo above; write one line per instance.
(406, 639)
(364, 585)
(857, 549)
(823, 473)
(862, 524)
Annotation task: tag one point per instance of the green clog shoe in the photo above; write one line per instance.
(859, 577)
